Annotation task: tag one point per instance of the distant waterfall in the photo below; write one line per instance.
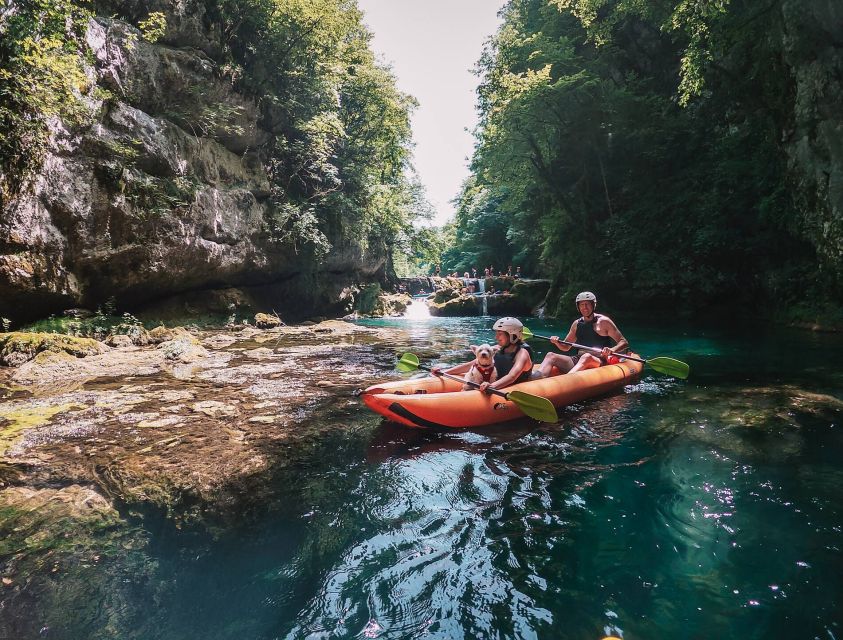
(484, 303)
(417, 310)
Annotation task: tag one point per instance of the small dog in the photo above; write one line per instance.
(483, 367)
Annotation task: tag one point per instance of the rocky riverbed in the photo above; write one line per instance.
(187, 426)
(191, 429)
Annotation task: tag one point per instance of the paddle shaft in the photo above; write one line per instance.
(468, 382)
(592, 349)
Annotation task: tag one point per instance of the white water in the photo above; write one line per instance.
(417, 310)
(484, 302)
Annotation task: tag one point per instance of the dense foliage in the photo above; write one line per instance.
(340, 157)
(339, 141)
(641, 150)
(41, 76)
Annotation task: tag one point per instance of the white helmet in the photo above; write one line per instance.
(586, 296)
(512, 326)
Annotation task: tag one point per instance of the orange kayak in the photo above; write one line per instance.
(440, 403)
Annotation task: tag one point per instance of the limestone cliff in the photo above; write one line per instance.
(166, 190)
(812, 47)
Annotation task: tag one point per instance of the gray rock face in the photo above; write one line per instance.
(815, 145)
(165, 192)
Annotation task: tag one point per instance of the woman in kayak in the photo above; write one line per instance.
(513, 359)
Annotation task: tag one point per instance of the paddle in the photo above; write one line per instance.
(536, 407)
(662, 364)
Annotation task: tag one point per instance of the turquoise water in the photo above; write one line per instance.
(698, 509)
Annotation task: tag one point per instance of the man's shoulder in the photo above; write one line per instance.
(604, 320)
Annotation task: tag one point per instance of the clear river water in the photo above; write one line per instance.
(706, 508)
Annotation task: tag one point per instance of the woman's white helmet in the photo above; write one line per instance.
(586, 296)
(512, 326)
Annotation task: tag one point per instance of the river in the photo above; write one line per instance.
(702, 508)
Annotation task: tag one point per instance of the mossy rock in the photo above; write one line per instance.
(500, 283)
(15, 419)
(135, 332)
(17, 347)
(267, 321)
(38, 525)
(366, 301)
(463, 305)
(447, 289)
(165, 334)
(390, 304)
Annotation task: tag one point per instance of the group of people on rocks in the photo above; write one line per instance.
(488, 272)
(513, 358)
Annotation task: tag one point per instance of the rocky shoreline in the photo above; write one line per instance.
(193, 427)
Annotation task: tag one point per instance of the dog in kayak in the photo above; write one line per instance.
(483, 367)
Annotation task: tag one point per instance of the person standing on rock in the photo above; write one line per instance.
(591, 330)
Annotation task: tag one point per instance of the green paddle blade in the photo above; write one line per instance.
(670, 367)
(408, 362)
(526, 333)
(536, 407)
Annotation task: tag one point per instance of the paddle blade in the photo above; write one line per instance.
(536, 407)
(408, 362)
(670, 367)
(526, 333)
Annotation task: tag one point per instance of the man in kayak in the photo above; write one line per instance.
(590, 330)
(513, 359)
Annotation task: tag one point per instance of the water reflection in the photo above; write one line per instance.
(707, 508)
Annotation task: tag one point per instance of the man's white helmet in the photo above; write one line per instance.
(587, 296)
(512, 326)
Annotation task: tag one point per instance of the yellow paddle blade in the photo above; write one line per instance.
(536, 407)
(526, 333)
(670, 367)
(408, 362)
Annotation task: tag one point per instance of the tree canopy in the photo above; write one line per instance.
(646, 150)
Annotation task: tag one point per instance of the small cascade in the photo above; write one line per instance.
(417, 310)
(484, 303)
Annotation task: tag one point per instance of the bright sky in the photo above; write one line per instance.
(432, 46)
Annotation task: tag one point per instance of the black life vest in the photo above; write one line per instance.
(587, 336)
(504, 362)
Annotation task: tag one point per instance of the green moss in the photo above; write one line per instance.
(38, 524)
(97, 326)
(18, 347)
(367, 299)
(14, 421)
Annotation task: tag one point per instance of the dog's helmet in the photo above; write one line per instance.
(512, 326)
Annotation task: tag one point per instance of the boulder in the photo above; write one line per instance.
(136, 334)
(17, 347)
(267, 321)
(462, 305)
(119, 341)
(162, 334)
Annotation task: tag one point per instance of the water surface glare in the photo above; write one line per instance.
(702, 508)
